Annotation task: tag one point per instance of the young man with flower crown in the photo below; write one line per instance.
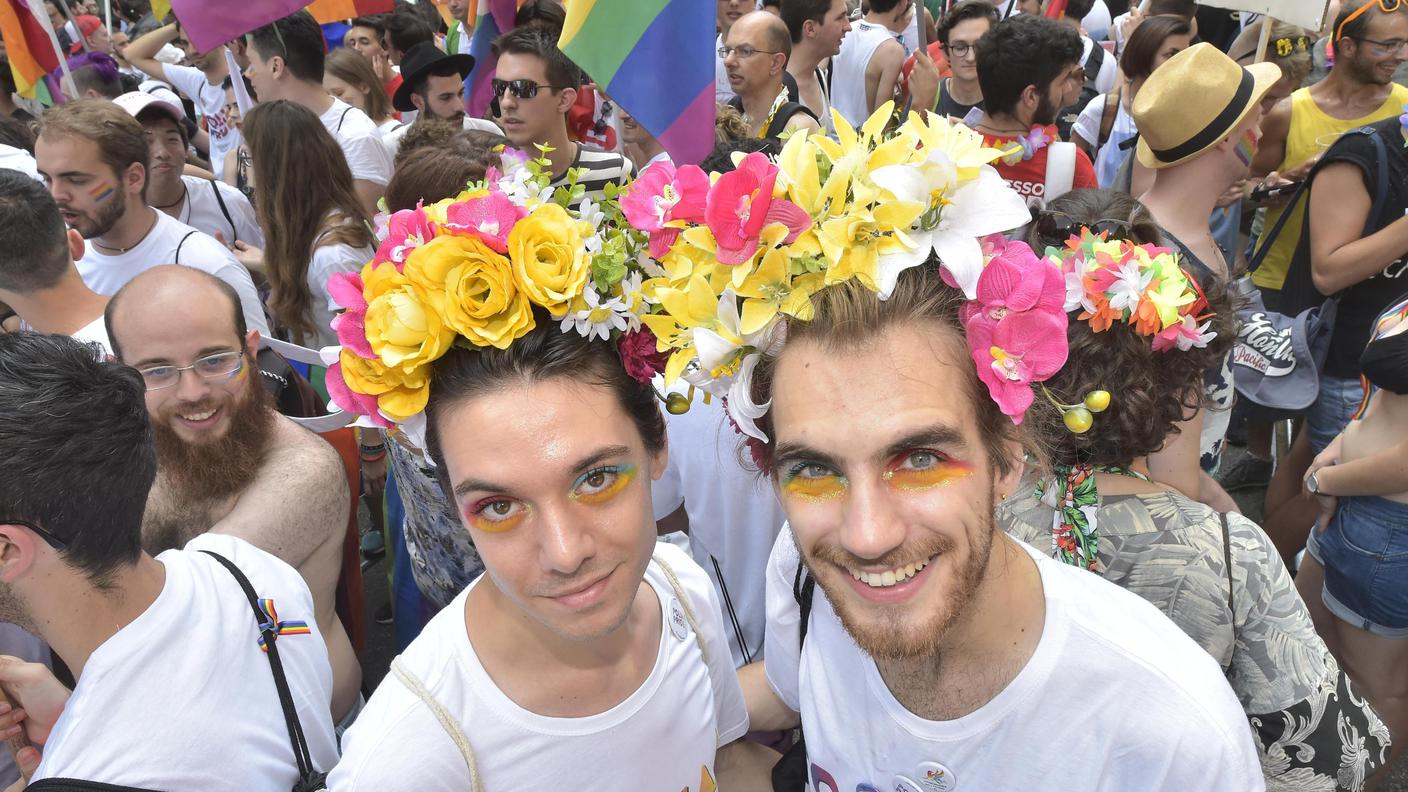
(889, 419)
(507, 330)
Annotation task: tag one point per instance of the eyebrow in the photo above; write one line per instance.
(478, 485)
(940, 435)
(208, 351)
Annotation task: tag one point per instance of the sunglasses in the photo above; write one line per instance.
(53, 541)
(1054, 228)
(521, 89)
(1383, 6)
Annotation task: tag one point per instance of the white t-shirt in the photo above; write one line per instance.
(733, 518)
(1116, 698)
(662, 737)
(202, 211)
(1104, 82)
(183, 697)
(723, 91)
(1109, 156)
(105, 274)
(326, 261)
(367, 156)
(210, 105)
(20, 160)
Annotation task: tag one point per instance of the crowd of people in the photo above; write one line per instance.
(887, 447)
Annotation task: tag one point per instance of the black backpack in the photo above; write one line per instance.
(791, 773)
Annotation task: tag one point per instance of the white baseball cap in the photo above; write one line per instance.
(134, 102)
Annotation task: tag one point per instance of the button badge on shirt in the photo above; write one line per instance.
(678, 625)
(934, 777)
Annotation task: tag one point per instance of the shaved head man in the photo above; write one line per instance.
(227, 462)
(755, 56)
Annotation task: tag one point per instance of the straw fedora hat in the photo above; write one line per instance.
(1194, 100)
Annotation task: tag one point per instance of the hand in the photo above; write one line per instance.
(27, 760)
(251, 257)
(1330, 456)
(381, 64)
(1127, 30)
(374, 476)
(1299, 172)
(1234, 194)
(923, 83)
(1327, 504)
(33, 688)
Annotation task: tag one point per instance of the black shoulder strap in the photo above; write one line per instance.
(1227, 562)
(803, 589)
(784, 114)
(176, 259)
(270, 633)
(224, 210)
(1094, 61)
(342, 118)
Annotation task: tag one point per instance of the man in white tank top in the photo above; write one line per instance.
(864, 72)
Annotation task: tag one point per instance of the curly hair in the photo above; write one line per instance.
(1150, 392)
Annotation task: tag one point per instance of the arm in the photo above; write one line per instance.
(1384, 473)
(369, 192)
(745, 766)
(766, 712)
(801, 121)
(924, 84)
(1339, 256)
(1271, 150)
(142, 52)
(296, 504)
(881, 74)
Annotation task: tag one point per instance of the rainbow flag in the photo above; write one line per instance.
(30, 50)
(656, 59)
(210, 23)
(326, 11)
(495, 17)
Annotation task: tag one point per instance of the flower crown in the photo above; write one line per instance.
(1114, 281)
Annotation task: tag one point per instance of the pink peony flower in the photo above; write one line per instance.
(740, 205)
(488, 217)
(661, 198)
(1014, 352)
(350, 400)
(345, 288)
(407, 230)
(641, 355)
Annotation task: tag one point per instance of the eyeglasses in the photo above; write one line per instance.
(1054, 228)
(960, 50)
(521, 89)
(219, 368)
(53, 541)
(1358, 12)
(743, 51)
(1382, 48)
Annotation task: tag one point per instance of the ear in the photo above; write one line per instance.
(277, 66)
(566, 99)
(809, 28)
(1004, 484)
(134, 178)
(76, 246)
(18, 547)
(1031, 97)
(251, 342)
(660, 460)
(418, 101)
(779, 63)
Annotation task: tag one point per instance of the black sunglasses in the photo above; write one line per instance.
(522, 89)
(54, 541)
(1054, 228)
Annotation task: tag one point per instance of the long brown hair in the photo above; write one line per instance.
(303, 194)
(353, 69)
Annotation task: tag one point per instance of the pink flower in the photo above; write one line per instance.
(407, 230)
(345, 288)
(1184, 334)
(661, 199)
(641, 355)
(1016, 280)
(1014, 352)
(740, 205)
(350, 400)
(488, 217)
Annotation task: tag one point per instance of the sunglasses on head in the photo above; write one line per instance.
(521, 89)
(1054, 228)
(1386, 6)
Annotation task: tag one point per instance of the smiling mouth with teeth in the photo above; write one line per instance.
(889, 577)
(197, 417)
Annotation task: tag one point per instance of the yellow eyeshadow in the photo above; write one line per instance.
(936, 476)
(818, 489)
(497, 526)
(625, 474)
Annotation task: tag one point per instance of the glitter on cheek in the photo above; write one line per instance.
(815, 489)
(939, 475)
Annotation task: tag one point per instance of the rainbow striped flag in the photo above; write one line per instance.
(656, 59)
(30, 50)
(495, 17)
(210, 23)
(325, 11)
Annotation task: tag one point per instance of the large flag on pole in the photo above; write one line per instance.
(325, 11)
(210, 23)
(31, 52)
(656, 59)
(495, 17)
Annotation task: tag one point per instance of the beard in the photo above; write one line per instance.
(1046, 112)
(456, 117)
(898, 632)
(14, 611)
(104, 217)
(225, 466)
(1364, 70)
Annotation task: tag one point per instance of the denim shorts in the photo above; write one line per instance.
(1338, 401)
(1365, 555)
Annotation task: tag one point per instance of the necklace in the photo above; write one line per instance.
(176, 202)
(121, 250)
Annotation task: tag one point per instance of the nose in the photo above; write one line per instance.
(566, 545)
(873, 526)
(731, 58)
(191, 387)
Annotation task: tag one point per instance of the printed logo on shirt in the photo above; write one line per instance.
(1396, 269)
(706, 782)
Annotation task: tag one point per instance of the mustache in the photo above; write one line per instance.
(905, 554)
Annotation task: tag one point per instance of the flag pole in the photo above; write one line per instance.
(1264, 40)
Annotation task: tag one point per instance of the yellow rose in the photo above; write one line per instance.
(399, 394)
(482, 301)
(549, 257)
(404, 324)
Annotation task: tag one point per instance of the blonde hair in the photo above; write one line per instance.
(1293, 58)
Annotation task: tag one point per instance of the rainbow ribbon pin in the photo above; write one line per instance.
(272, 625)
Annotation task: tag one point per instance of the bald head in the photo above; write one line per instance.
(766, 29)
(175, 302)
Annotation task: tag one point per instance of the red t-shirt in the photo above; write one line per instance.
(1028, 177)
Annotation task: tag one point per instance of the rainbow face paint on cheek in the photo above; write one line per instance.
(941, 473)
(615, 479)
(102, 191)
(482, 516)
(815, 488)
(1246, 147)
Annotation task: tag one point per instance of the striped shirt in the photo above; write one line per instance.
(600, 168)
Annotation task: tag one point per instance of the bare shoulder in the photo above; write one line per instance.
(303, 456)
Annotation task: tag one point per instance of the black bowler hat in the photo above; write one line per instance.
(419, 61)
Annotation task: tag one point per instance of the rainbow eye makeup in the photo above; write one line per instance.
(921, 470)
(600, 485)
(813, 482)
(496, 515)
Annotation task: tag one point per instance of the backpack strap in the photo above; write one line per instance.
(803, 591)
(783, 115)
(269, 632)
(1108, 114)
(176, 259)
(342, 118)
(684, 605)
(224, 210)
(1227, 564)
(447, 721)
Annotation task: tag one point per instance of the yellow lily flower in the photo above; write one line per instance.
(770, 289)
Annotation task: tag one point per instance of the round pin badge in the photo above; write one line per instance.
(906, 784)
(678, 625)
(934, 777)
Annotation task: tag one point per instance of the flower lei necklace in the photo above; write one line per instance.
(1035, 140)
(772, 113)
(1075, 537)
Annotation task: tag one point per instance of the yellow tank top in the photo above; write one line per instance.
(1308, 124)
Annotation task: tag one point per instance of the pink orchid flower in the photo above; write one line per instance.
(662, 199)
(350, 400)
(1017, 280)
(407, 230)
(346, 288)
(488, 217)
(1184, 335)
(1015, 352)
(741, 204)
